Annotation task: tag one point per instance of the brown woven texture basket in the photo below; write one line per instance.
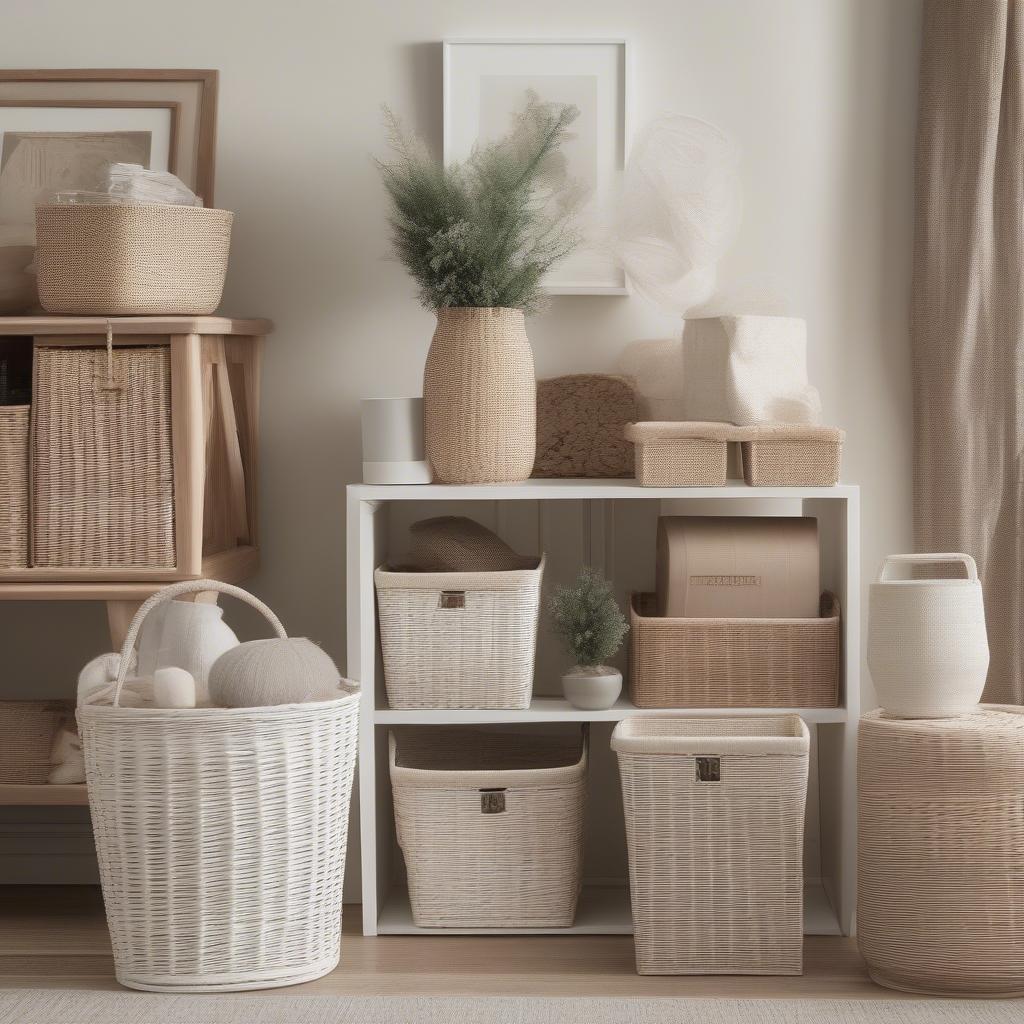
(480, 397)
(26, 738)
(102, 473)
(131, 260)
(733, 663)
(459, 544)
(14, 427)
(680, 454)
(784, 455)
(941, 852)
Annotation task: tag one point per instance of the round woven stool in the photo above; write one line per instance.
(941, 852)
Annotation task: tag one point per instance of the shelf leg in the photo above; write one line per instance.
(119, 618)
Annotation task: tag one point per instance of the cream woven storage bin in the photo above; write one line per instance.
(733, 663)
(940, 904)
(102, 471)
(459, 640)
(14, 426)
(680, 454)
(220, 833)
(131, 260)
(791, 455)
(26, 738)
(491, 825)
(714, 813)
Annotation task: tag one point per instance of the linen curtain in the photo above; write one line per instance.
(968, 308)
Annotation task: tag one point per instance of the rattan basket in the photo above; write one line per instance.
(131, 260)
(680, 454)
(220, 833)
(792, 455)
(733, 663)
(714, 814)
(102, 472)
(14, 428)
(459, 640)
(26, 739)
(491, 825)
(941, 852)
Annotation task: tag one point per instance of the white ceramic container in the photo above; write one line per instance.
(927, 645)
(393, 451)
(592, 687)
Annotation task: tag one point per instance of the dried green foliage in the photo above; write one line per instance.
(587, 617)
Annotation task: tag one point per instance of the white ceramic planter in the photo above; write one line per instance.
(927, 645)
(393, 451)
(592, 687)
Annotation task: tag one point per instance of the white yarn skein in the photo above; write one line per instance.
(264, 673)
(174, 688)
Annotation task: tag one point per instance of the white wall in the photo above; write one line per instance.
(819, 93)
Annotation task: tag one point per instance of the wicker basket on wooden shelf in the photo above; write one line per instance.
(491, 825)
(14, 432)
(26, 738)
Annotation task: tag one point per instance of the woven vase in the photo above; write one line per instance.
(480, 397)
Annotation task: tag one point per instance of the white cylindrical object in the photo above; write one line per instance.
(393, 451)
(927, 644)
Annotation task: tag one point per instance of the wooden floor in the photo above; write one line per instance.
(54, 937)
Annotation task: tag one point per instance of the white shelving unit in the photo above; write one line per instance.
(595, 520)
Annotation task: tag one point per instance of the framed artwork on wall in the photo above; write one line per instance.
(485, 84)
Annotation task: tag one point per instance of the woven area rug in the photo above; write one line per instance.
(34, 1006)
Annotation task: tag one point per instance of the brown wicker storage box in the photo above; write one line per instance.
(14, 424)
(491, 825)
(733, 663)
(27, 728)
(680, 454)
(792, 455)
(131, 260)
(102, 474)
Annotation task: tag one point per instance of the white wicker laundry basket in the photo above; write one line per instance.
(459, 639)
(491, 825)
(714, 813)
(220, 833)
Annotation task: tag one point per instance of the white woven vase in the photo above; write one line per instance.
(480, 397)
(927, 645)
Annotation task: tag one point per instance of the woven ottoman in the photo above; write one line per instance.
(941, 852)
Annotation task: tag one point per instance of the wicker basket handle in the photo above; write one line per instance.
(928, 558)
(168, 594)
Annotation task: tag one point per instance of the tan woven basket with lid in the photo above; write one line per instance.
(791, 455)
(491, 825)
(14, 431)
(132, 259)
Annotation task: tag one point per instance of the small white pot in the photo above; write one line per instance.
(393, 451)
(592, 687)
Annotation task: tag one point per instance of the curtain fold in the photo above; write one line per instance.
(968, 309)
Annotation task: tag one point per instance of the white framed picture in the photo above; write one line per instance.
(485, 84)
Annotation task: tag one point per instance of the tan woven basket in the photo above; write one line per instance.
(680, 454)
(14, 428)
(714, 814)
(792, 455)
(941, 852)
(131, 260)
(491, 825)
(102, 473)
(733, 663)
(26, 738)
(459, 640)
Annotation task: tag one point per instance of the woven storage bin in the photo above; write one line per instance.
(680, 454)
(26, 738)
(102, 472)
(792, 455)
(14, 424)
(941, 852)
(491, 825)
(733, 663)
(715, 828)
(459, 640)
(220, 833)
(131, 260)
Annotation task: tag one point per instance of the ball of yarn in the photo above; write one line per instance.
(262, 673)
(174, 688)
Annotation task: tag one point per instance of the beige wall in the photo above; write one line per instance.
(819, 93)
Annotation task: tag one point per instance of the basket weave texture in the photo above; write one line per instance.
(733, 663)
(458, 544)
(783, 455)
(220, 834)
(102, 472)
(941, 852)
(14, 429)
(715, 867)
(26, 738)
(131, 260)
(680, 454)
(509, 858)
(459, 640)
(480, 397)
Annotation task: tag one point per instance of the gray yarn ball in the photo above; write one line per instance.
(262, 673)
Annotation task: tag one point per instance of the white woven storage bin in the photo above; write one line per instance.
(220, 833)
(459, 640)
(714, 813)
(491, 825)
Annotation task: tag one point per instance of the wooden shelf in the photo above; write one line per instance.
(51, 325)
(21, 795)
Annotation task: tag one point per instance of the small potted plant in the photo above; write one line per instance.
(588, 619)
